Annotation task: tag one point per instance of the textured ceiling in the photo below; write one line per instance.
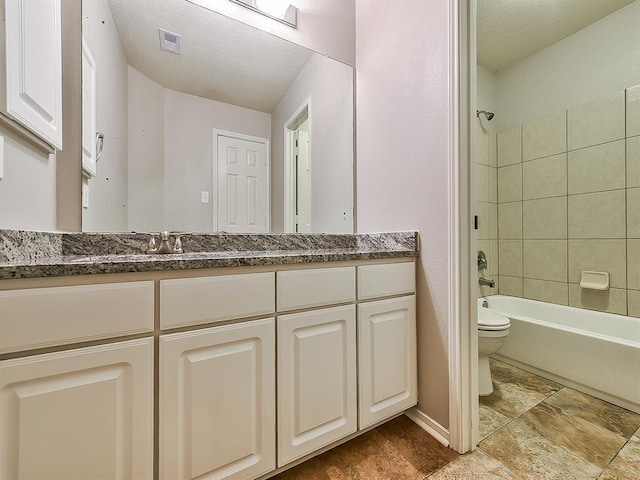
(512, 30)
(221, 59)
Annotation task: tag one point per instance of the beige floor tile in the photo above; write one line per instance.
(516, 391)
(490, 420)
(476, 465)
(626, 465)
(532, 456)
(592, 442)
(416, 445)
(309, 470)
(368, 457)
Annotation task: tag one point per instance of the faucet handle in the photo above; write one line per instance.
(151, 248)
(177, 247)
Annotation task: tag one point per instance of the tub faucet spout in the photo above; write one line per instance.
(487, 282)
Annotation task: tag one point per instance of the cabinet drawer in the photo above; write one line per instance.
(192, 301)
(386, 279)
(315, 287)
(43, 317)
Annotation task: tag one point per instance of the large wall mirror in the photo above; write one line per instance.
(238, 131)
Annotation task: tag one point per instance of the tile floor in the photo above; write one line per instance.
(530, 428)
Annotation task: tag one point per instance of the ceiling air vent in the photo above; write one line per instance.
(169, 41)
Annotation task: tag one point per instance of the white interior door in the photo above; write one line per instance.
(243, 183)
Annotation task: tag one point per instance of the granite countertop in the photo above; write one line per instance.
(26, 254)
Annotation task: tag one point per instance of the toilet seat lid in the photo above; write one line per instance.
(490, 320)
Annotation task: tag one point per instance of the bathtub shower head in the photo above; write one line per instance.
(489, 115)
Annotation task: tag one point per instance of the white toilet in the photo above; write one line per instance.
(493, 328)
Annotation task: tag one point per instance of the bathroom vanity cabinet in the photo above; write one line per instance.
(254, 367)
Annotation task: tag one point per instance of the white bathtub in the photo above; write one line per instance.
(594, 352)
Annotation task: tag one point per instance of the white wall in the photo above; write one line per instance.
(146, 154)
(329, 85)
(326, 26)
(27, 193)
(108, 189)
(487, 90)
(402, 110)
(171, 154)
(594, 62)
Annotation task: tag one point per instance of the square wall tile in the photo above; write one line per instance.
(633, 162)
(598, 168)
(545, 177)
(511, 286)
(545, 291)
(510, 183)
(633, 212)
(633, 111)
(633, 264)
(483, 221)
(545, 136)
(493, 184)
(545, 218)
(493, 221)
(510, 146)
(545, 259)
(601, 256)
(510, 257)
(613, 300)
(633, 299)
(482, 183)
(510, 221)
(482, 146)
(597, 215)
(596, 122)
(493, 148)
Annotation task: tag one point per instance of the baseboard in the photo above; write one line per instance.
(427, 423)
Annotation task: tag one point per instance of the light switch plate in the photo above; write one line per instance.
(204, 197)
(85, 194)
(1, 157)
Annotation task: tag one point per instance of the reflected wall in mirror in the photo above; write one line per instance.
(158, 112)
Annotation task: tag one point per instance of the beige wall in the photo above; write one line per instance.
(403, 102)
(569, 201)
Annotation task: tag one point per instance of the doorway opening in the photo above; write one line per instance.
(297, 133)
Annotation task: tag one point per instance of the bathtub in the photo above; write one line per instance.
(594, 352)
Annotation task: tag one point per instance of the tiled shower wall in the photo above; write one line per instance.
(568, 193)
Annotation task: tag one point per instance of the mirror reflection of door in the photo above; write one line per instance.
(298, 171)
(243, 183)
(302, 179)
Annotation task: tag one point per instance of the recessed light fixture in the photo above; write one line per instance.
(169, 41)
(279, 10)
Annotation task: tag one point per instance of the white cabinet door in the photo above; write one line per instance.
(34, 66)
(217, 402)
(316, 380)
(386, 358)
(85, 413)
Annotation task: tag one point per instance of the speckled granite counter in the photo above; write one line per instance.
(26, 254)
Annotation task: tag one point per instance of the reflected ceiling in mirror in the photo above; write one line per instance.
(158, 111)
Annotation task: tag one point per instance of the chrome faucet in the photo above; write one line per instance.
(164, 246)
(487, 282)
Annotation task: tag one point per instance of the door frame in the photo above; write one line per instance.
(463, 337)
(289, 172)
(240, 136)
